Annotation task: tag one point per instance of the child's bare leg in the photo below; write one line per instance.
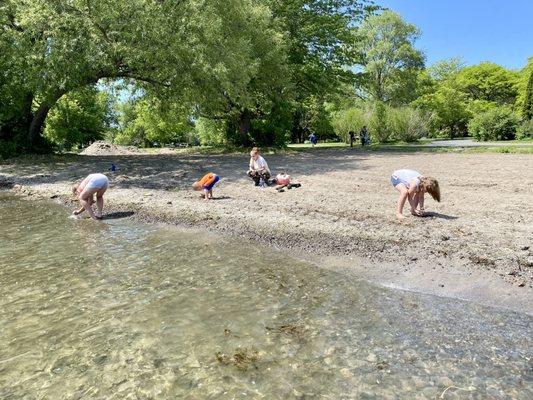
(211, 193)
(86, 200)
(421, 204)
(401, 200)
(100, 202)
(414, 200)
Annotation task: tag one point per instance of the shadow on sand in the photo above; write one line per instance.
(201, 197)
(118, 215)
(438, 215)
(178, 171)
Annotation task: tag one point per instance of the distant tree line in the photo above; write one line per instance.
(237, 72)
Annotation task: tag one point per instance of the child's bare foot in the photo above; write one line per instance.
(76, 212)
(399, 216)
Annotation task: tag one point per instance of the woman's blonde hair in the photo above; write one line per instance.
(431, 185)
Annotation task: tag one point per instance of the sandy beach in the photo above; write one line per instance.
(475, 245)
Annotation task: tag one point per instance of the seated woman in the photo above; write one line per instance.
(258, 168)
(94, 184)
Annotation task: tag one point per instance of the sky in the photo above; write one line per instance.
(500, 31)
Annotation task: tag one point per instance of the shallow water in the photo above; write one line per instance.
(121, 310)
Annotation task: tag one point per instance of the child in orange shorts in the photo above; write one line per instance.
(206, 184)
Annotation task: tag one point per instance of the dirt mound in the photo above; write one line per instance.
(103, 148)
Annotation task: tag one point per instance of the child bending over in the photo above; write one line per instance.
(412, 186)
(93, 184)
(206, 184)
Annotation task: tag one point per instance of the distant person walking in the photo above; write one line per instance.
(93, 184)
(363, 136)
(313, 139)
(352, 137)
(412, 186)
(258, 169)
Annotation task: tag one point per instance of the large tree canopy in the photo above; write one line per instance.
(188, 48)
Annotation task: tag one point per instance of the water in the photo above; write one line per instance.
(120, 310)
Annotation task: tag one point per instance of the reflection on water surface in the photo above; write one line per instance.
(116, 309)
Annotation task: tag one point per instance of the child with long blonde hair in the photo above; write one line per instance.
(412, 186)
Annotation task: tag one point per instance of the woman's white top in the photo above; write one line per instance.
(259, 164)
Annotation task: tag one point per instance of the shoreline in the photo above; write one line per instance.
(468, 257)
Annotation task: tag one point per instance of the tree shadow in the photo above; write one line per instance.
(117, 215)
(439, 215)
(170, 172)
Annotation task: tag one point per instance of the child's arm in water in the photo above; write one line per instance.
(82, 209)
(78, 211)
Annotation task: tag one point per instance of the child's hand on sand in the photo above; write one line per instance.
(76, 212)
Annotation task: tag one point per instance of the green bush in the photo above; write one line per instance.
(408, 124)
(495, 124)
(351, 119)
(385, 123)
(8, 149)
(379, 128)
(525, 130)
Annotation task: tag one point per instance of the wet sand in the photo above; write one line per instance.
(476, 244)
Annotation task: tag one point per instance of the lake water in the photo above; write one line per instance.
(121, 310)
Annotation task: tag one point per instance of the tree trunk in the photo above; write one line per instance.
(36, 125)
(244, 124)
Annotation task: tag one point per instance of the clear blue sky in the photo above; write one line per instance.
(500, 31)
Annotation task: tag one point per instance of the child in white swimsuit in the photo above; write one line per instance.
(91, 185)
(412, 186)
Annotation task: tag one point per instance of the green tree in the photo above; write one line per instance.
(315, 44)
(78, 118)
(148, 121)
(187, 49)
(391, 63)
(488, 82)
(523, 80)
(444, 69)
(450, 110)
(527, 110)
